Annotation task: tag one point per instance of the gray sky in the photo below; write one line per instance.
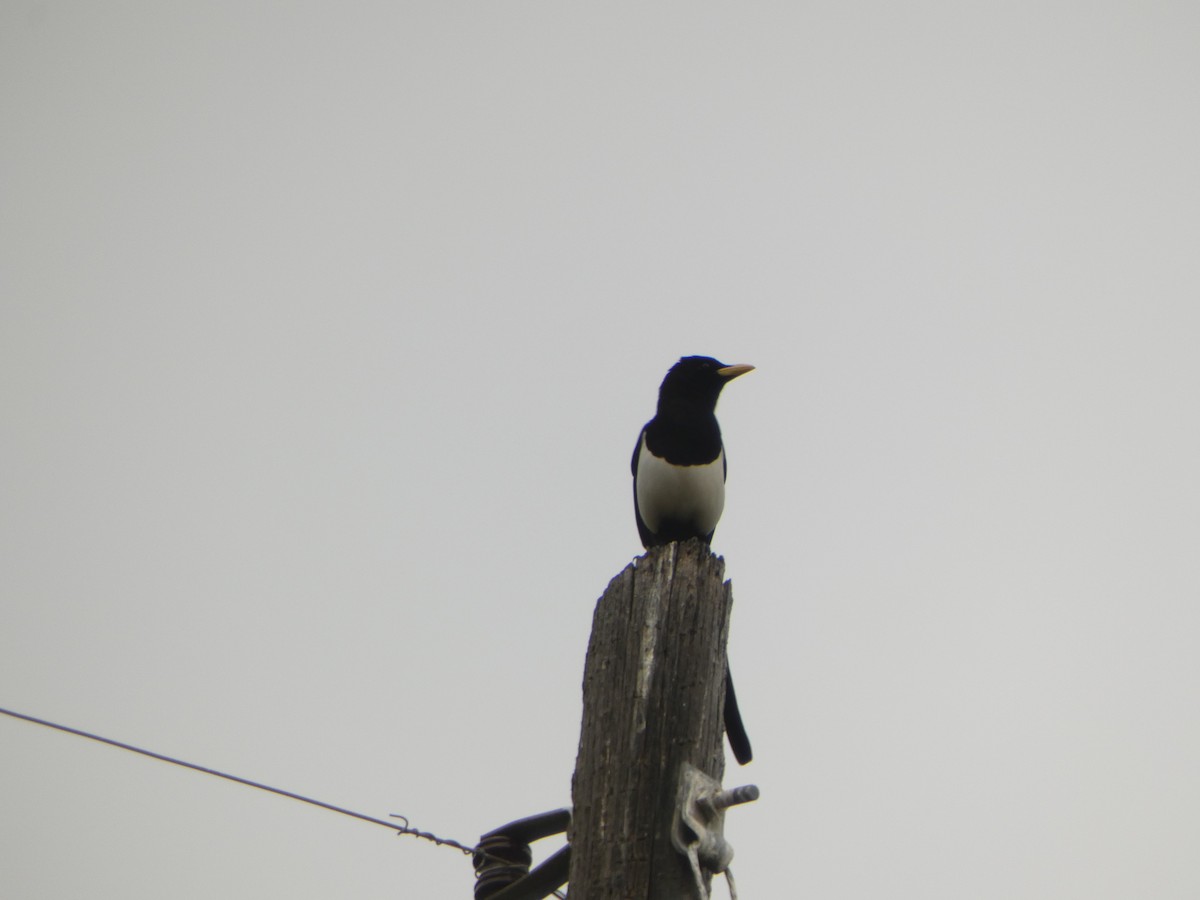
(326, 331)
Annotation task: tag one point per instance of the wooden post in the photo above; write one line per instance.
(653, 689)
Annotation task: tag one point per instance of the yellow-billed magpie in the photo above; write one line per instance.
(679, 478)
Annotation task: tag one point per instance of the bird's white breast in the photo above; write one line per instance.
(683, 494)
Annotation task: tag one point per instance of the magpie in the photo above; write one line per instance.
(679, 478)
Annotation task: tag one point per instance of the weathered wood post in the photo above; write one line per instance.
(653, 689)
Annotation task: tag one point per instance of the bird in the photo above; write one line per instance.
(679, 469)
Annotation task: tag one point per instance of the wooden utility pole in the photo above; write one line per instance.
(653, 690)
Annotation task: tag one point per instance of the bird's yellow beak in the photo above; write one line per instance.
(734, 371)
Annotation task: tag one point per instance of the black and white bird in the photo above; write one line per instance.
(679, 478)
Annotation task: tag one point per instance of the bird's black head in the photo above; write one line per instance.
(695, 382)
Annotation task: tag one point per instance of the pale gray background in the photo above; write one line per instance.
(327, 330)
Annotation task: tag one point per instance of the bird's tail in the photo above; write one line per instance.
(735, 729)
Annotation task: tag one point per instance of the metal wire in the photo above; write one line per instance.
(399, 829)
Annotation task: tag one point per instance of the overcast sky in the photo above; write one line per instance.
(326, 331)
